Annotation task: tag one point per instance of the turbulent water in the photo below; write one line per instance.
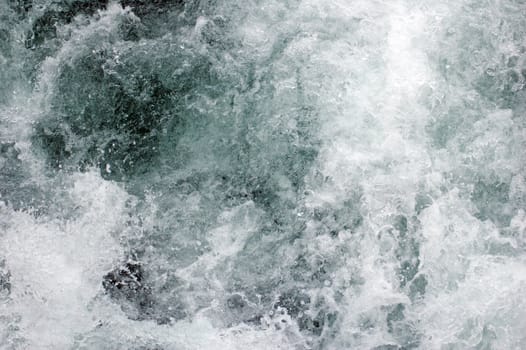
(275, 174)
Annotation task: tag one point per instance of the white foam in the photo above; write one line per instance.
(57, 265)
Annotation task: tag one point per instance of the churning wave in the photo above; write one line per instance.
(275, 174)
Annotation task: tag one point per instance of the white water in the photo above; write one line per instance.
(407, 229)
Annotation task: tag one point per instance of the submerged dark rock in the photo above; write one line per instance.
(126, 284)
(126, 281)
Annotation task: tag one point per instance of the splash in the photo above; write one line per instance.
(253, 175)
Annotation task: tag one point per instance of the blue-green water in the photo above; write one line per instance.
(294, 174)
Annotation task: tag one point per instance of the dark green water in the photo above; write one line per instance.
(296, 174)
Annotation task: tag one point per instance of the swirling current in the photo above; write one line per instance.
(262, 174)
